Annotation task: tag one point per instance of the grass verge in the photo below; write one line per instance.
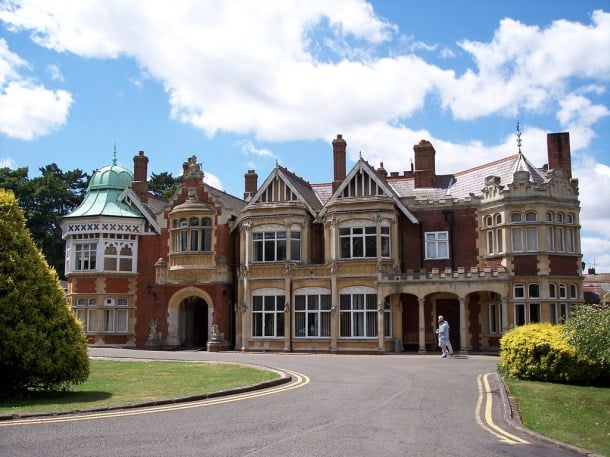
(575, 415)
(120, 382)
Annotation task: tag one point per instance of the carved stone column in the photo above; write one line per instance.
(422, 328)
(463, 328)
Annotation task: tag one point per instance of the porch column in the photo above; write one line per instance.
(335, 315)
(245, 315)
(287, 308)
(463, 327)
(380, 329)
(422, 328)
(243, 307)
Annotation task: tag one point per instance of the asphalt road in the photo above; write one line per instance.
(337, 405)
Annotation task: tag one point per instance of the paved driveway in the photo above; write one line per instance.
(390, 405)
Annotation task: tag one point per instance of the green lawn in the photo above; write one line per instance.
(576, 415)
(114, 383)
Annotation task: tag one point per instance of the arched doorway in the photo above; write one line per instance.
(189, 318)
(193, 323)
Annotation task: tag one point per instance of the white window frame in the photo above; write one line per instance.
(85, 256)
(516, 238)
(519, 291)
(358, 313)
(193, 234)
(270, 244)
(312, 313)
(531, 239)
(499, 241)
(358, 242)
(520, 312)
(268, 311)
(533, 290)
(495, 318)
(569, 240)
(435, 243)
(490, 241)
(573, 291)
(550, 239)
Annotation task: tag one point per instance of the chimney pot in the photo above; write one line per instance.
(339, 153)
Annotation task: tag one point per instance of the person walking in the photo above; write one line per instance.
(443, 337)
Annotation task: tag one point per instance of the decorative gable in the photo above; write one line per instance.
(364, 182)
(275, 190)
(361, 184)
(283, 186)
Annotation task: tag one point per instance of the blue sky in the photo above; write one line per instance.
(246, 84)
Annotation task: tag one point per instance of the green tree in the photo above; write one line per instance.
(163, 184)
(44, 201)
(588, 330)
(41, 343)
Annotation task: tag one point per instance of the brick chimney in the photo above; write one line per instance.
(558, 149)
(140, 174)
(339, 148)
(251, 184)
(425, 167)
(382, 172)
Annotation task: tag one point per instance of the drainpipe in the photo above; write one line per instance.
(450, 219)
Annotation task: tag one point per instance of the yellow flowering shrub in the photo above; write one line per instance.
(540, 352)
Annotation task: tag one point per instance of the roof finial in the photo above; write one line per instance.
(114, 155)
(518, 137)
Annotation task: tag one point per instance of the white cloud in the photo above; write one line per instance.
(576, 109)
(595, 214)
(55, 73)
(27, 110)
(528, 67)
(7, 162)
(213, 180)
(280, 71)
(266, 81)
(248, 148)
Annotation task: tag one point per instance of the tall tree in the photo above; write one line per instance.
(163, 184)
(45, 200)
(42, 347)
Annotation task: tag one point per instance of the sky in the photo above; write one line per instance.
(251, 84)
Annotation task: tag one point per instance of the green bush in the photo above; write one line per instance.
(539, 352)
(588, 330)
(41, 343)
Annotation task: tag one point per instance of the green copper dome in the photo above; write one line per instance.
(102, 197)
(111, 177)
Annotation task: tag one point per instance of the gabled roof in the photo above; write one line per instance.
(467, 182)
(129, 196)
(363, 167)
(473, 181)
(301, 189)
(233, 204)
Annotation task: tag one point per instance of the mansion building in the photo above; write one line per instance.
(362, 264)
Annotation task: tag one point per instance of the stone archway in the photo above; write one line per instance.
(190, 318)
(193, 323)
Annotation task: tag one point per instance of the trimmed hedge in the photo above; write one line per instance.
(539, 352)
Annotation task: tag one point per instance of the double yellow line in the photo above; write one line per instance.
(298, 380)
(483, 413)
